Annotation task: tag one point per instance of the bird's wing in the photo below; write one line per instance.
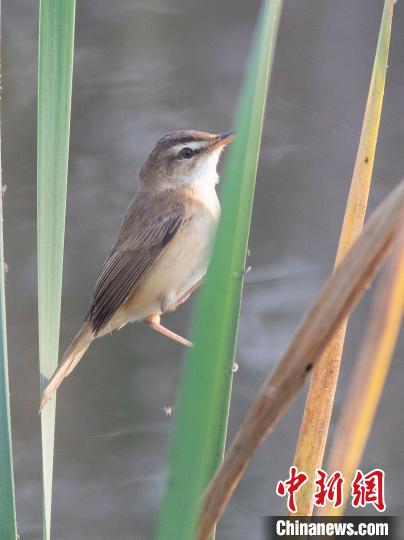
(150, 223)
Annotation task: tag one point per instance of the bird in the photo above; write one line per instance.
(163, 247)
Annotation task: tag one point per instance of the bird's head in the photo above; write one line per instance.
(183, 158)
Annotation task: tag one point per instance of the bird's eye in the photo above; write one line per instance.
(186, 153)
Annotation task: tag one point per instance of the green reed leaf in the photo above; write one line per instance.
(56, 43)
(8, 527)
(203, 407)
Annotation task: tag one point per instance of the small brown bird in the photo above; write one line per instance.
(163, 246)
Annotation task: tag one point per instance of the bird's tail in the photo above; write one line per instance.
(70, 359)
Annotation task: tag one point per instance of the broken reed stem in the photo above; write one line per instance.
(370, 375)
(338, 296)
(317, 413)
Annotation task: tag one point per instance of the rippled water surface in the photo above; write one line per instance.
(142, 69)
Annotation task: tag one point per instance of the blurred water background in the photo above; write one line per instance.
(142, 69)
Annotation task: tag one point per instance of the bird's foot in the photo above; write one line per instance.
(154, 322)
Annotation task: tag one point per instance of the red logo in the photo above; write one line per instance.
(365, 488)
(329, 489)
(369, 489)
(290, 486)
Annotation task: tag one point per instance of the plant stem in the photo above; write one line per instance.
(317, 413)
(8, 526)
(369, 377)
(338, 296)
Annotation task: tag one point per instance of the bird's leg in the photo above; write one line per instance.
(187, 294)
(154, 322)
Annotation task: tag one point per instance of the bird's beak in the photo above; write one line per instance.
(223, 138)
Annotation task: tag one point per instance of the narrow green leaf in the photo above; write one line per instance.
(56, 43)
(8, 527)
(199, 438)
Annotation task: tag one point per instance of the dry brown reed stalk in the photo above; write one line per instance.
(317, 413)
(338, 296)
(370, 375)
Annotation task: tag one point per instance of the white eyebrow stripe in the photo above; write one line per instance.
(194, 145)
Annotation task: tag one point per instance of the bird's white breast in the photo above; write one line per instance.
(185, 259)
